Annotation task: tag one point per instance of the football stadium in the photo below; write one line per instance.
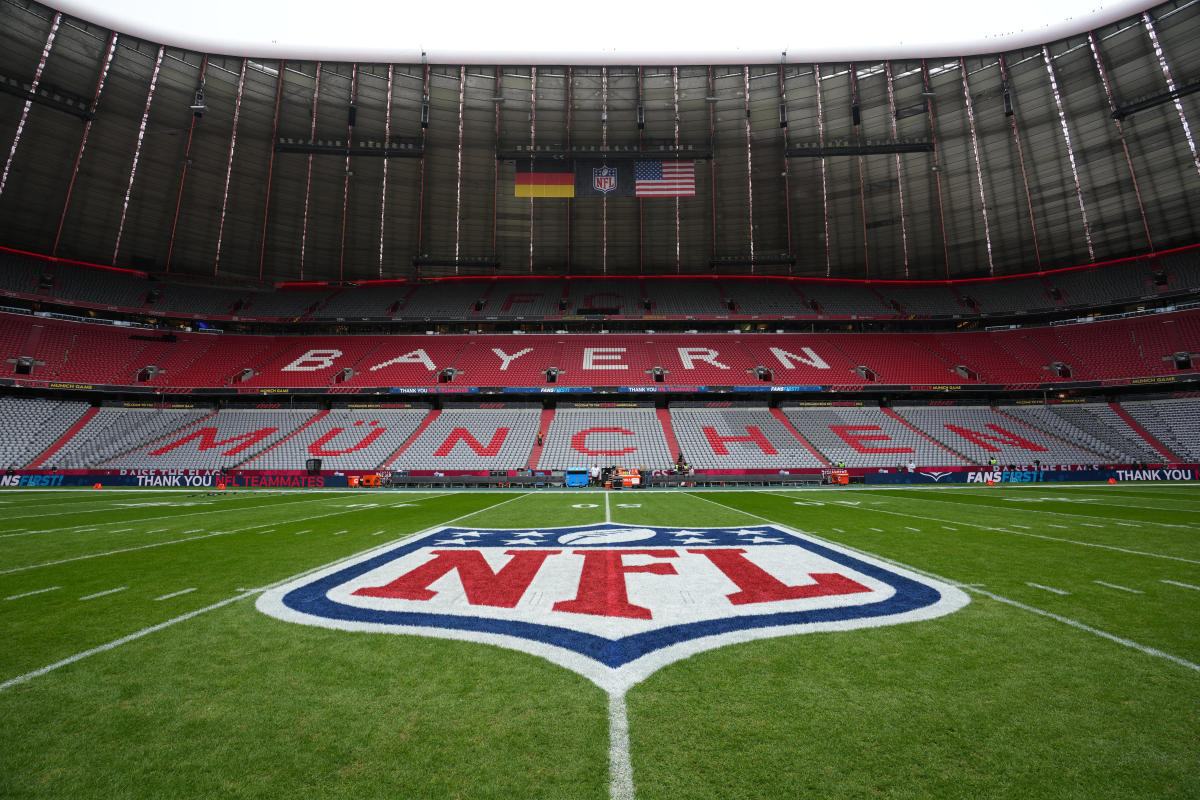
(571, 417)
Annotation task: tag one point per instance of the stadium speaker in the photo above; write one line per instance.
(313, 466)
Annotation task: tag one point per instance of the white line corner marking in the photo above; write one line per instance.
(611, 601)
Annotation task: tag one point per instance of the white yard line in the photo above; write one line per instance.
(1150, 651)
(178, 541)
(30, 594)
(1184, 585)
(28, 676)
(101, 594)
(1031, 535)
(1122, 588)
(907, 528)
(1047, 588)
(175, 594)
(620, 766)
(607, 510)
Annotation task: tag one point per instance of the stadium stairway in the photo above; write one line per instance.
(66, 437)
(924, 435)
(1142, 432)
(320, 415)
(787, 423)
(664, 419)
(535, 455)
(425, 423)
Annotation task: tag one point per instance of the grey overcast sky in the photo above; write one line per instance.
(604, 32)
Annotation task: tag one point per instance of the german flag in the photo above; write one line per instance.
(532, 183)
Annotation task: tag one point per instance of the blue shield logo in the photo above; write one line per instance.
(604, 179)
(611, 601)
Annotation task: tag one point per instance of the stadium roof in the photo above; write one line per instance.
(120, 149)
(627, 32)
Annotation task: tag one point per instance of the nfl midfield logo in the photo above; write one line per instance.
(604, 179)
(612, 602)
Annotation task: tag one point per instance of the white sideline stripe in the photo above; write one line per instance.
(174, 594)
(1150, 651)
(11, 682)
(620, 767)
(1047, 588)
(1122, 588)
(1173, 583)
(38, 591)
(101, 594)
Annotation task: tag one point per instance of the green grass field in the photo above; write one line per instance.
(1072, 673)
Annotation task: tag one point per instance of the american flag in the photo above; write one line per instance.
(665, 179)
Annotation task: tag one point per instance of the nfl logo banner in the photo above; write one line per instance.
(604, 179)
(601, 179)
(610, 601)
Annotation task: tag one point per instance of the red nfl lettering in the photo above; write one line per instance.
(483, 587)
(602, 589)
(759, 586)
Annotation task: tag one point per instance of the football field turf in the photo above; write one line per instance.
(136, 663)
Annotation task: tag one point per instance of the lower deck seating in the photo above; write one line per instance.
(738, 438)
(624, 437)
(222, 441)
(473, 439)
(32, 424)
(867, 437)
(114, 431)
(1175, 423)
(981, 434)
(343, 439)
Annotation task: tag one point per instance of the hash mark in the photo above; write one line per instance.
(40, 591)
(1046, 588)
(1122, 588)
(101, 594)
(1173, 583)
(175, 594)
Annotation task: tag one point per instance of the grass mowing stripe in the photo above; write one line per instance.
(1062, 514)
(174, 594)
(30, 594)
(1151, 651)
(175, 620)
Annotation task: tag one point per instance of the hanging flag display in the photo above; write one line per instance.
(595, 178)
(666, 179)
